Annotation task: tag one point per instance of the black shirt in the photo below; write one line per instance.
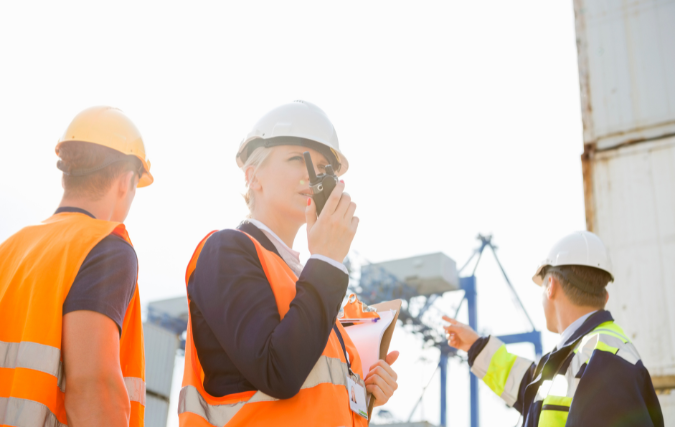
(106, 280)
(241, 341)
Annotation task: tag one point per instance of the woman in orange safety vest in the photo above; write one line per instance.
(263, 344)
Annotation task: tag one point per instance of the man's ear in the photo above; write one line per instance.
(126, 182)
(552, 287)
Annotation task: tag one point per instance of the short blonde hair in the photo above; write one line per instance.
(255, 160)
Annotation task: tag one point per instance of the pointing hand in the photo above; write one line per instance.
(459, 335)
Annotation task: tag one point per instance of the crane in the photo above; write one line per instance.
(390, 280)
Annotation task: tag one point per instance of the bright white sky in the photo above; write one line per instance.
(457, 118)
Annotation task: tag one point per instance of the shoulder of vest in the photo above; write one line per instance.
(227, 239)
(86, 222)
(610, 328)
(608, 337)
(230, 237)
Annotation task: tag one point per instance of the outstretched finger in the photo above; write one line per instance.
(451, 320)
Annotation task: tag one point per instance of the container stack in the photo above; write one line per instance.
(626, 55)
(160, 354)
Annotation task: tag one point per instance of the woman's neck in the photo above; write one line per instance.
(286, 230)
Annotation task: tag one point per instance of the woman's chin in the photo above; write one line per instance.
(300, 217)
(294, 213)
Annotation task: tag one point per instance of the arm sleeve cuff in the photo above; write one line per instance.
(330, 261)
(476, 348)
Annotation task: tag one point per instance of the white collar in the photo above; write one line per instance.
(291, 257)
(572, 328)
(263, 227)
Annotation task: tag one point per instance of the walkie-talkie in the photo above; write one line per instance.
(321, 185)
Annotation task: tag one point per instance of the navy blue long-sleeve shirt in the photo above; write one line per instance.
(241, 342)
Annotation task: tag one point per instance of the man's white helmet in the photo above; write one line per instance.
(579, 248)
(296, 123)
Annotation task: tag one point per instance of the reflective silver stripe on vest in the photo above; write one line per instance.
(191, 401)
(626, 350)
(46, 359)
(135, 389)
(31, 355)
(327, 370)
(611, 332)
(629, 353)
(566, 385)
(26, 413)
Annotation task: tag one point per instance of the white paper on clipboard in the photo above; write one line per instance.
(367, 338)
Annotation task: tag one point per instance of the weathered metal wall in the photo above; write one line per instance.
(626, 55)
(160, 355)
(634, 203)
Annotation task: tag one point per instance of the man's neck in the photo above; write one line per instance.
(101, 209)
(569, 314)
(285, 230)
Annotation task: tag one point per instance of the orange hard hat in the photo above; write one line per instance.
(109, 127)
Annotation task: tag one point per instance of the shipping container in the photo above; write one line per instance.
(156, 411)
(633, 210)
(626, 56)
(668, 407)
(626, 59)
(160, 355)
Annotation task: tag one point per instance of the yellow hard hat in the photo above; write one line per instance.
(109, 127)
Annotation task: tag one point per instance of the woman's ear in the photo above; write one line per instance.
(251, 179)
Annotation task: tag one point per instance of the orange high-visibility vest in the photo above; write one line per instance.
(323, 399)
(38, 265)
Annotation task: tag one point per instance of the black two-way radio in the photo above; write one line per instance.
(322, 185)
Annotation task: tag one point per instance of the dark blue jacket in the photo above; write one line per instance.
(241, 342)
(596, 379)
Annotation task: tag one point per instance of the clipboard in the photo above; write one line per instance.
(386, 337)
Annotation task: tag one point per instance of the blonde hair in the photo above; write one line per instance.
(255, 160)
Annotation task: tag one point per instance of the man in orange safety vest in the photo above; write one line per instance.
(71, 339)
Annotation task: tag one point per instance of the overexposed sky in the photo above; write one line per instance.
(456, 117)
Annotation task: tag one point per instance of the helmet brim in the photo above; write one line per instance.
(334, 156)
(537, 279)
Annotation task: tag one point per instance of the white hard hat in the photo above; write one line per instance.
(579, 248)
(296, 123)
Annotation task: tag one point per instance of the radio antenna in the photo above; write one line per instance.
(310, 167)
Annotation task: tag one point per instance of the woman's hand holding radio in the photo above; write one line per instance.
(331, 234)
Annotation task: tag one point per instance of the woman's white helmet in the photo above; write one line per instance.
(579, 248)
(296, 123)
